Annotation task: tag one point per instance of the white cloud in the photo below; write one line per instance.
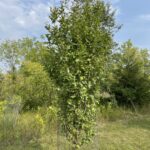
(113, 1)
(20, 18)
(145, 17)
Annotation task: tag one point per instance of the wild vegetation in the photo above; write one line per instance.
(78, 89)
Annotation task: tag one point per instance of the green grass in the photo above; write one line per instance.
(131, 134)
(117, 130)
(122, 129)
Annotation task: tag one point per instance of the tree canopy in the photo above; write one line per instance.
(80, 39)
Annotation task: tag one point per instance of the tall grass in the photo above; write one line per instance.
(116, 129)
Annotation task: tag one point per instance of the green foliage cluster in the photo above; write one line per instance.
(80, 38)
(36, 88)
(131, 84)
(32, 85)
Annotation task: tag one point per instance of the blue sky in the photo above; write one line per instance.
(21, 18)
(135, 17)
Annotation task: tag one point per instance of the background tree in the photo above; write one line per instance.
(10, 56)
(132, 84)
(13, 53)
(80, 38)
(35, 87)
(35, 51)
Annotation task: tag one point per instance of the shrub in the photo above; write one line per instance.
(36, 88)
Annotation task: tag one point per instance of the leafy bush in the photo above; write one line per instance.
(36, 89)
(30, 127)
(16, 128)
(26, 128)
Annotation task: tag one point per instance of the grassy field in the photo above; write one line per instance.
(128, 134)
(115, 131)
